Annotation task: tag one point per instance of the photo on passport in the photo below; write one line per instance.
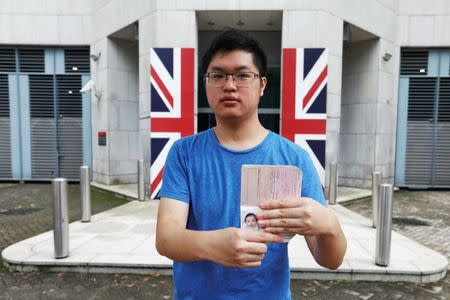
(248, 218)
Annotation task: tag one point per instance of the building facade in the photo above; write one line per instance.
(387, 89)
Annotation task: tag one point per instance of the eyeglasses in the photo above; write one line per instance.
(240, 78)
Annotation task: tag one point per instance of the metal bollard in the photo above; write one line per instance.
(384, 226)
(376, 181)
(60, 218)
(141, 186)
(332, 184)
(85, 187)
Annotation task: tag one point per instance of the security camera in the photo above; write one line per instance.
(387, 56)
(88, 86)
(95, 57)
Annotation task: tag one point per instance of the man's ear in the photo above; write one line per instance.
(263, 85)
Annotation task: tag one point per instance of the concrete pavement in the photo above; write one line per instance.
(122, 240)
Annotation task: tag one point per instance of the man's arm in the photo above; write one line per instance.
(329, 248)
(307, 217)
(231, 247)
(171, 236)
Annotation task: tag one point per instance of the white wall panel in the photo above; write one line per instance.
(421, 7)
(420, 30)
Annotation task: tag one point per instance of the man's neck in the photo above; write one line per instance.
(240, 135)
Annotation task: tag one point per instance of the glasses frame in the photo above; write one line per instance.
(233, 76)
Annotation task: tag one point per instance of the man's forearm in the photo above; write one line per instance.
(329, 249)
(181, 244)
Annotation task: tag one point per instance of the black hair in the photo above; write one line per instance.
(249, 215)
(233, 39)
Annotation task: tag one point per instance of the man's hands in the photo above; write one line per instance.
(231, 247)
(302, 216)
(235, 247)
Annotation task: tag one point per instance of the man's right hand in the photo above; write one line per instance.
(236, 247)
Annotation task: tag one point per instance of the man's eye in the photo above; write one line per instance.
(243, 75)
(217, 76)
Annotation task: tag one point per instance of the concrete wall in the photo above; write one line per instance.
(123, 113)
(51, 22)
(116, 74)
(423, 23)
(100, 107)
(369, 108)
(358, 113)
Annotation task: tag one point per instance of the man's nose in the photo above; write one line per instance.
(229, 82)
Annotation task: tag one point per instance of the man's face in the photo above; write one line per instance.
(230, 101)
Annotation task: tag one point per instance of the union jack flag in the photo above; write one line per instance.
(171, 105)
(304, 102)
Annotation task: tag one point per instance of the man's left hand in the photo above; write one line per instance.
(302, 216)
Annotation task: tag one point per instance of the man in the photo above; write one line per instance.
(199, 213)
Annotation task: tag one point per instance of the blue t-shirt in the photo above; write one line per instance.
(206, 175)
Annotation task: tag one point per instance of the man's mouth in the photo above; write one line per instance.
(229, 100)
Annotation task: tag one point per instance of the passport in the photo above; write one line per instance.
(265, 183)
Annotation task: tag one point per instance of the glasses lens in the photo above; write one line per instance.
(217, 78)
(243, 78)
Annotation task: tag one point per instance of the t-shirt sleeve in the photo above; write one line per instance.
(175, 182)
(311, 186)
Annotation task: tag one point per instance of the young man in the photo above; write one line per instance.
(199, 213)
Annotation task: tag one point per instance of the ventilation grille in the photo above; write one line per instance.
(444, 100)
(43, 148)
(442, 155)
(414, 62)
(419, 141)
(5, 148)
(32, 60)
(70, 147)
(422, 92)
(5, 135)
(70, 132)
(4, 96)
(419, 153)
(41, 96)
(77, 60)
(7, 60)
(69, 97)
